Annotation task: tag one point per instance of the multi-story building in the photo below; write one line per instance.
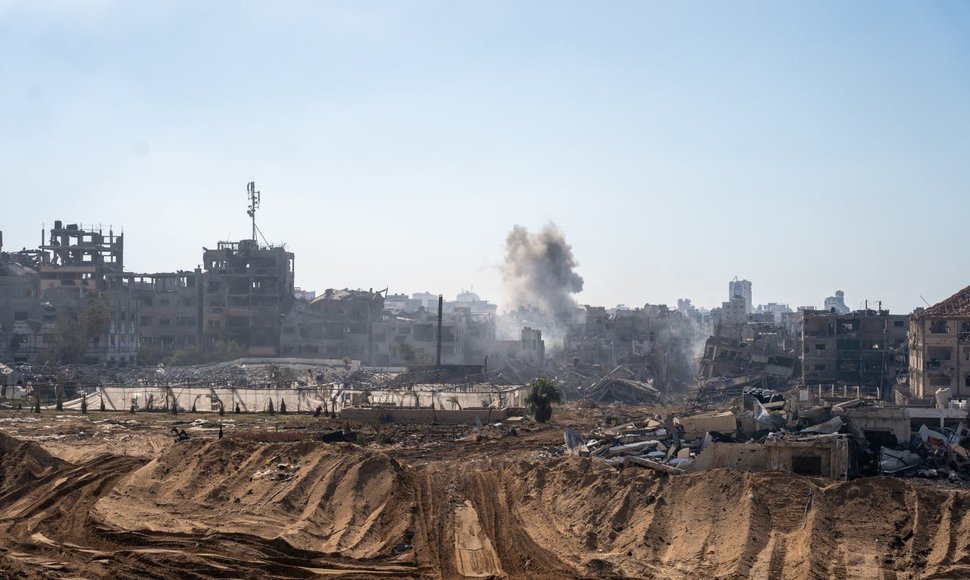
(740, 289)
(336, 325)
(248, 288)
(169, 310)
(939, 347)
(837, 303)
(860, 348)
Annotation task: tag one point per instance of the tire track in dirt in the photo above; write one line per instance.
(307, 509)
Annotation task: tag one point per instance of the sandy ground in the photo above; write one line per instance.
(112, 495)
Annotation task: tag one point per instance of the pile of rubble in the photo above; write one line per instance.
(929, 453)
(859, 437)
(652, 445)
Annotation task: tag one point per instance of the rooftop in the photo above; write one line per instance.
(956, 305)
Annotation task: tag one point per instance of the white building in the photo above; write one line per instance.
(740, 289)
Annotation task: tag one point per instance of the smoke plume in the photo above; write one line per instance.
(539, 272)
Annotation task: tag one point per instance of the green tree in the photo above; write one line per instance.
(544, 393)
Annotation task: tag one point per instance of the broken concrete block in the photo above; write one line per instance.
(632, 448)
(695, 426)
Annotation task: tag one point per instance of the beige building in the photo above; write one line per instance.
(939, 347)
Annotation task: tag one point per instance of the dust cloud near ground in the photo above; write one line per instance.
(270, 501)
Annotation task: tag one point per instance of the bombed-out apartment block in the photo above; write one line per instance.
(761, 350)
(865, 347)
(335, 325)
(248, 288)
(71, 298)
(169, 309)
(939, 347)
(409, 339)
(653, 341)
(358, 324)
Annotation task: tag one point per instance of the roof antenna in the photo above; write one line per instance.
(253, 196)
(924, 301)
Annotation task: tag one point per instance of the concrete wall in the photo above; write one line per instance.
(832, 451)
(406, 415)
(832, 454)
(744, 456)
(256, 400)
(891, 419)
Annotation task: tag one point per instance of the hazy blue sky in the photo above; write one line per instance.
(805, 146)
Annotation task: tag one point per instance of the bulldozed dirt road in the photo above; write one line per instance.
(241, 507)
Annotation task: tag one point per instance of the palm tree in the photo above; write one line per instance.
(544, 394)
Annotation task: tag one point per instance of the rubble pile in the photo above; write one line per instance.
(765, 432)
(651, 445)
(929, 453)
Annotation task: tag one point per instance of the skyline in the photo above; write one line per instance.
(807, 148)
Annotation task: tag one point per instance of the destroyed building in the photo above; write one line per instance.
(654, 342)
(761, 353)
(865, 347)
(939, 347)
(20, 310)
(248, 287)
(63, 301)
(335, 325)
(169, 310)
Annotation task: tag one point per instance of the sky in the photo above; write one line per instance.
(805, 146)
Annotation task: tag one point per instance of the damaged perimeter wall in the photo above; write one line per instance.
(824, 456)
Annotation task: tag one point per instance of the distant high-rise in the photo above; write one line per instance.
(740, 289)
(837, 303)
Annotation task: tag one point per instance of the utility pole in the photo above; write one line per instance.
(441, 302)
(253, 196)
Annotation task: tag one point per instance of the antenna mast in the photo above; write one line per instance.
(253, 196)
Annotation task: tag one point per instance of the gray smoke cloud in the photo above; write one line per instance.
(539, 271)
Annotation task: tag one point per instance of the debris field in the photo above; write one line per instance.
(118, 495)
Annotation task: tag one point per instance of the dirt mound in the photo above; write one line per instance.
(313, 496)
(22, 462)
(582, 518)
(242, 508)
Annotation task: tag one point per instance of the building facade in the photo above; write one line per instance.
(248, 288)
(939, 347)
(860, 348)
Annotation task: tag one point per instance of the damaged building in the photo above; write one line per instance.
(169, 310)
(939, 347)
(655, 342)
(748, 353)
(248, 288)
(72, 309)
(338, 324)
(865, 347)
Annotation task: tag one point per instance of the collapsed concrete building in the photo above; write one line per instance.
(742, 348)
(654, 342)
